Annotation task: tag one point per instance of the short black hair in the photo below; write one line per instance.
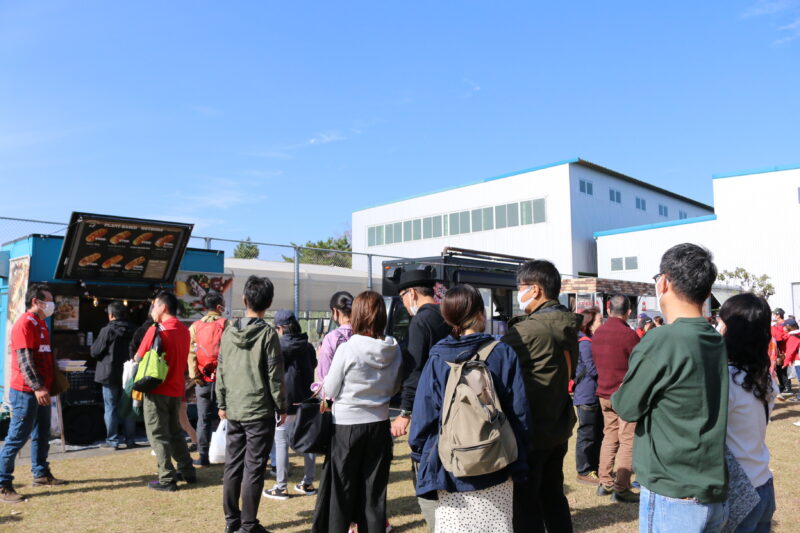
(778, 311)
(424, 290)
(117, 310)
(690, 270)
(169, 300)
(618, 305)
(258, 293)
(342, 301)
(212, 299)
(542, 273)
(36, 290)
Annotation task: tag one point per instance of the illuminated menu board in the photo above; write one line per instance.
(101, 247)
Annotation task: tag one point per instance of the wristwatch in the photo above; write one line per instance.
(405, 414)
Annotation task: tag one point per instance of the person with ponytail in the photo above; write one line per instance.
(751, 395)
(341, 305)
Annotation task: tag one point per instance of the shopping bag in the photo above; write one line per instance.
(312, 428)
(153, 368)
(216, 449)
(129, 368)
(60, 382)
(126, 407)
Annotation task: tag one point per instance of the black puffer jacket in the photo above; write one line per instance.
(111, 351)
(299, 362)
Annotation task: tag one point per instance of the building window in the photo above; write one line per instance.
(631, 263)
(398, 232)
(371, 236)
(586, 187)
(512, 215)
(454, 224)
(417, 228)
(662, 210)
(464, 222)
(641, 204)
(379, 236)
(477, 220)
(539, 211)
(445, 225)
(389, 233)
(500, 217)
(427, 228)
(682, 214)
(407, 230)
(488, 218)
(437, 227)
(615, 196)
(616, 264)
(526, 212)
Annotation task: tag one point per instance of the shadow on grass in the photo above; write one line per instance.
(785, 414)
(600, 516)
(9, 519)
(306, 518)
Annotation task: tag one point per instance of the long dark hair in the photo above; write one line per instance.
(462, 308)
(342, 301)
(747, 334)
(589, 316)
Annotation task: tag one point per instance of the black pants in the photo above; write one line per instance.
(206, 413)
(784, 383)
(247, 447)
(541, 502)
(588, 438)
(357, 473)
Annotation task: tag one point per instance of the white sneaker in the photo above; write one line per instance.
(796, 424)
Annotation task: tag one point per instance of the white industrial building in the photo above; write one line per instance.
(548, 212)
(755, 226)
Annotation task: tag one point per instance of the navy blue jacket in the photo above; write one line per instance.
(423, 437)
(585, 374)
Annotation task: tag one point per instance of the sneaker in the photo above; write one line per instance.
(625, 496)
(603, 490)
(9, 495)
(796, 424)
(190, 479)
(192, 447)
(589, 479)
(47, 480)
(308, 490)
(166, 487)
(276, 494)
(132, 445)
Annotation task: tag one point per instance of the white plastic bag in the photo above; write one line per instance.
(128, 371)
(216, 449)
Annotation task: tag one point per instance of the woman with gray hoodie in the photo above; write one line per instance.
(364, 375)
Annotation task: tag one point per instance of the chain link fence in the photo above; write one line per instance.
(304, 278)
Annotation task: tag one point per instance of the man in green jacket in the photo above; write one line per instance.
(676, 390)
(546, 342)
(250, 396)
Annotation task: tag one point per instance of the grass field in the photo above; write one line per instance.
(108, 494)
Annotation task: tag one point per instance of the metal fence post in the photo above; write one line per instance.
(208, 242)
(369, 272)
(296, 281)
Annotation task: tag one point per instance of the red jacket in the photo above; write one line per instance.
(175, 343)
(792, 348)
(780, 336)
(612, 345)
(31, 332)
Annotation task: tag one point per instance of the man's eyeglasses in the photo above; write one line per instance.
(403, 293)
(655, 278)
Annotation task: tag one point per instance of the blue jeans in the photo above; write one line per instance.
(282, 455)
(110, 401)
(760, 519)
(28, 420)
(662, 514)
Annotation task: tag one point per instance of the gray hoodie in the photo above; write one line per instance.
(364, 375)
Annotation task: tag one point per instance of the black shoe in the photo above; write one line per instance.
(132, 445)
(191, 480)
(167, 487)
(200, 463)
(625, 496)
(192, 447)
(231, 529)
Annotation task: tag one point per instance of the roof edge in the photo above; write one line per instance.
(765, 170)
(667, 224)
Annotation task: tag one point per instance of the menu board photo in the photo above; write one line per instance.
(66, 313)
(101, 247)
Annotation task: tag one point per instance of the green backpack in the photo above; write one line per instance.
(153, 368)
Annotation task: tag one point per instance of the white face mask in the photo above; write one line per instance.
(414, 309)
(49, 308)
(523, 303)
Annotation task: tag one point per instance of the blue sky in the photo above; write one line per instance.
(278, 119)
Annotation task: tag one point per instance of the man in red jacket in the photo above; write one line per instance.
(29, 396)
(162, 405)
(612, 345)
(780, 336)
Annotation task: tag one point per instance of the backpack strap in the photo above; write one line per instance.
(486, 349)
(450, 388)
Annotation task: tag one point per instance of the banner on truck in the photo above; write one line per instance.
(191, 288)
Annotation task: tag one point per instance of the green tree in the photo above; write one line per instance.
(758, 285)
(246, 250)
(323, 252)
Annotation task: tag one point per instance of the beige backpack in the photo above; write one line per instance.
(475, 436)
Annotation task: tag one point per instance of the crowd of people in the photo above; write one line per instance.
(671, 414)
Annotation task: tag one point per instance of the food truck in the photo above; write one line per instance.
(100, 259)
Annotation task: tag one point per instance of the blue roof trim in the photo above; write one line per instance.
(533, 169)
(776, 168)
(656, 225)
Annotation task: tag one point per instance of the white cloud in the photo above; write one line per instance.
(327, 137)
(768, 7)
(206, 111)
(790, 32)
(286, 151)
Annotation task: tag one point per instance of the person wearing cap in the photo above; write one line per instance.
(427, 327)
(781, 336)
(644, 324)
(299, 362)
